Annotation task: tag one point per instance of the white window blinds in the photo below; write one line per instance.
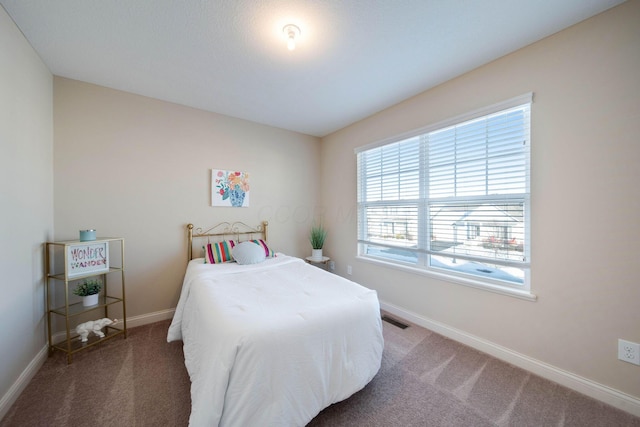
(453, 197)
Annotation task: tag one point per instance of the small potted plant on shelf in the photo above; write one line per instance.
(317, 237)
(89, 290)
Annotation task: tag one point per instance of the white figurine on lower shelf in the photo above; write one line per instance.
(94, 326)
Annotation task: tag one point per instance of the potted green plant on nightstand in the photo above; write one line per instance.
(89, 291)
(317, 237)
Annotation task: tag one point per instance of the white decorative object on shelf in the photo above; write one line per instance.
(89, 290)
(90, 300)
(94, 326)
(316, 254)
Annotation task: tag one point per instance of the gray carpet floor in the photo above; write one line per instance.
(425, 380)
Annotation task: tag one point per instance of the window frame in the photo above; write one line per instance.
(422, 265)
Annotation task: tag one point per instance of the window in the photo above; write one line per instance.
(452, 198)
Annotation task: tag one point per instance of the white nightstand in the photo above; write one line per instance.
(324, 261)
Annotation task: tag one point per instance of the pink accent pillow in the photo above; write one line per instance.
(268, 252)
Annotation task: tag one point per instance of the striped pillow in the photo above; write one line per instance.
(216, 253)
(267, 251)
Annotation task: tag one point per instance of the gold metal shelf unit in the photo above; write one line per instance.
(72, 311)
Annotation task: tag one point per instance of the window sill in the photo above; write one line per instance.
(516, 293)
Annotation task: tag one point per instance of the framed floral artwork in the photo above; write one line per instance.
(229, 188)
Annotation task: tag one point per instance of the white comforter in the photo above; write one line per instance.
(272, 344)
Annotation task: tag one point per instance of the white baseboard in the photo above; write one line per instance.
(575, 382)
(145, 319)
(21, 383)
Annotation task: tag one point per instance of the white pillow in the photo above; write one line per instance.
(248, 253)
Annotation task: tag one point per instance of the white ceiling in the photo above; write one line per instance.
(354, 57)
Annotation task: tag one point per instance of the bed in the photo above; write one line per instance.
(270, 343)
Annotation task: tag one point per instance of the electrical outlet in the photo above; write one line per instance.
(349, 270)
(629, 351)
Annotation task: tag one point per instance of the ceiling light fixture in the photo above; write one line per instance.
(291, 32)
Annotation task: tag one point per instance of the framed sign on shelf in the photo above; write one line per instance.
(87, 257)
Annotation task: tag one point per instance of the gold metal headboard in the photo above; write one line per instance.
(226, 230)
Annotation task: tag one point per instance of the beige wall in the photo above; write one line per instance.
(585, 200)
(26, 202)
(139, 168)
